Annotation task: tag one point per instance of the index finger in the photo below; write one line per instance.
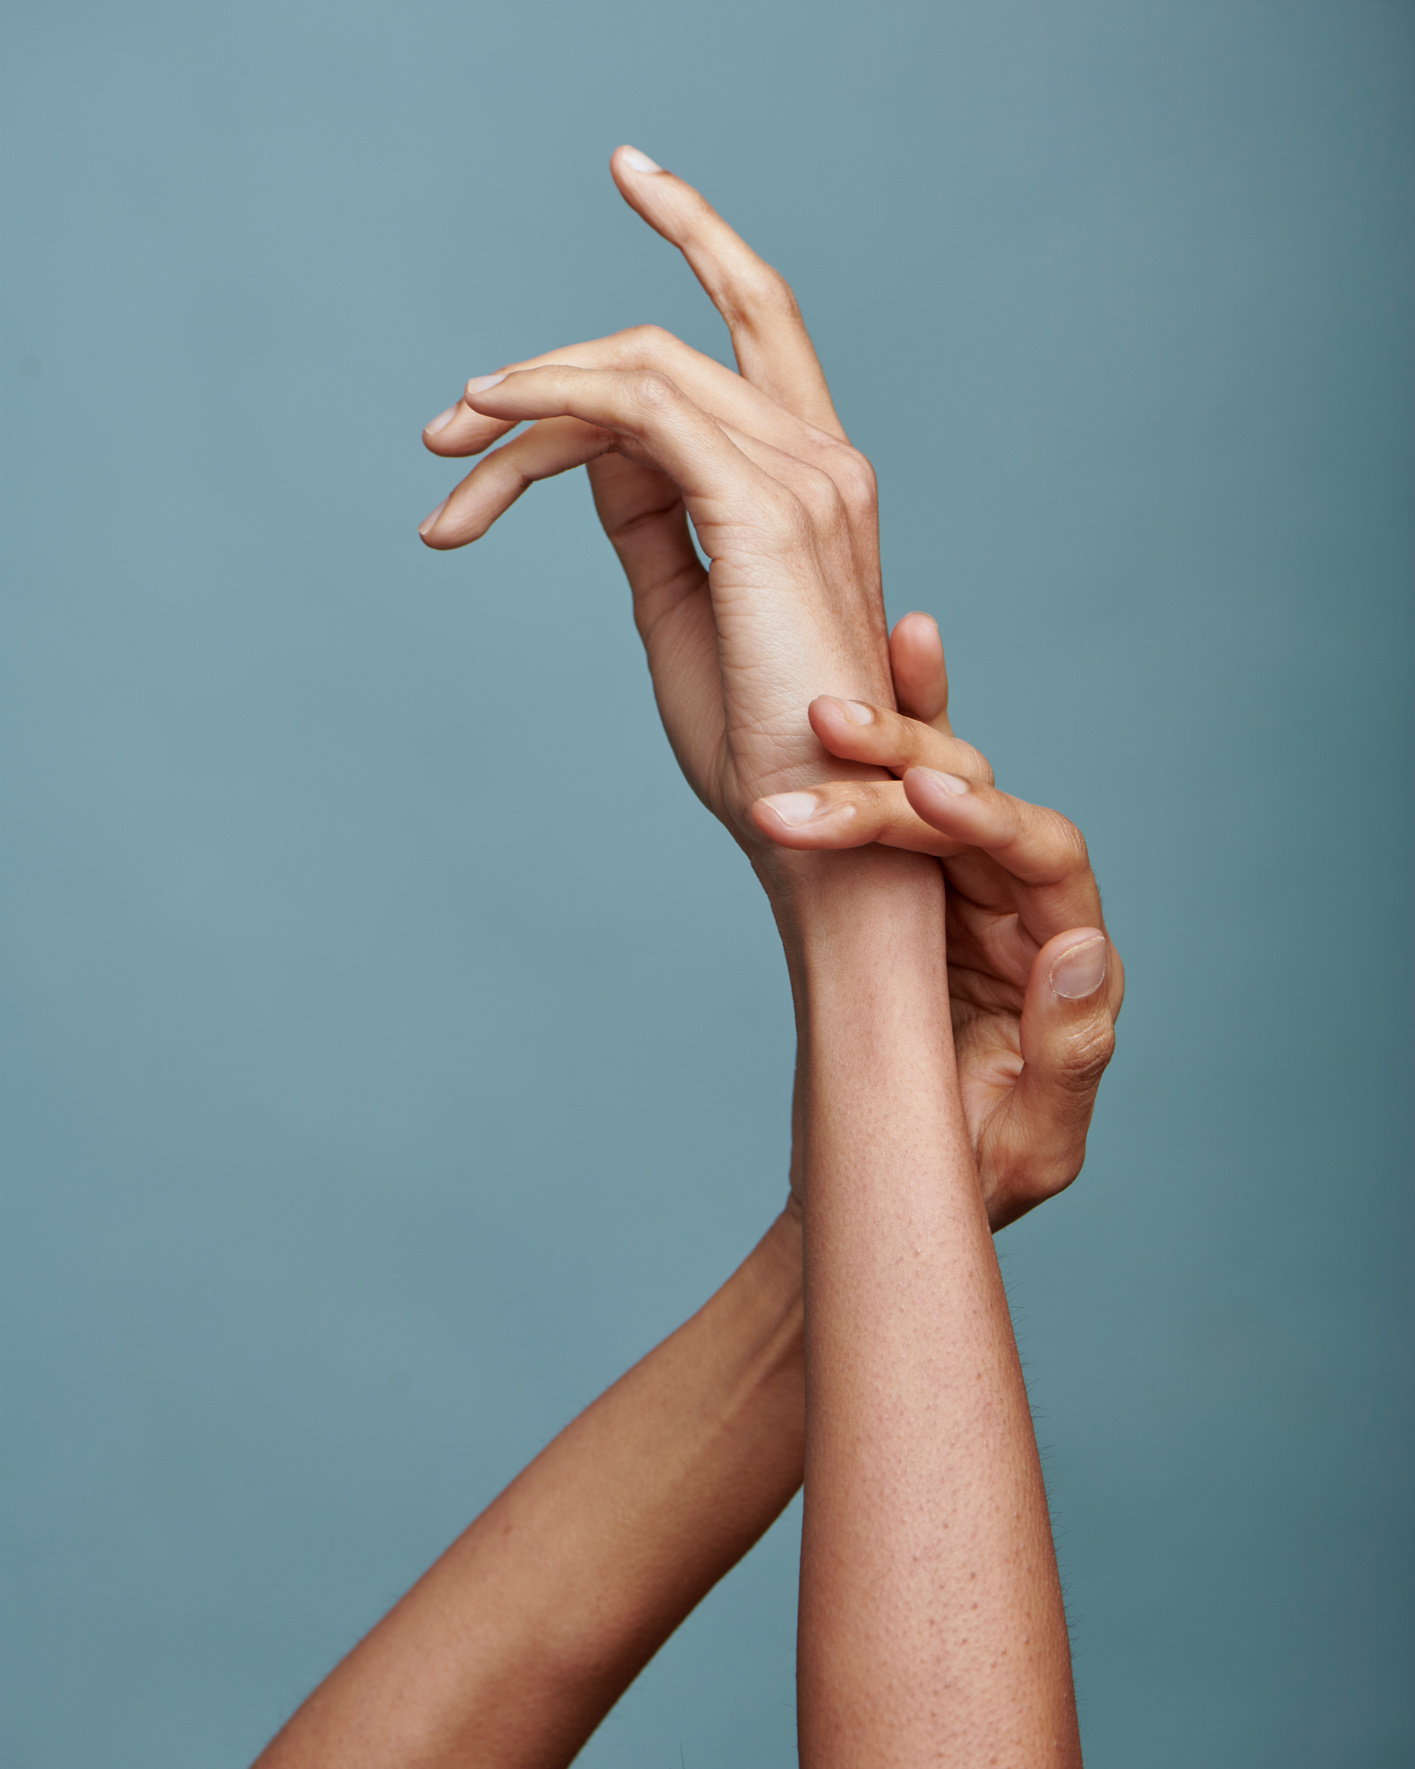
(773, 348)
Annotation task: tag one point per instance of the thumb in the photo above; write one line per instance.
(1067, 1036)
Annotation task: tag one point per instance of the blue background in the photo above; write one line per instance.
(396, 1049)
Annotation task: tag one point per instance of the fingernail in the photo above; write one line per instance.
(794, 808)
(949, 783)
(858, 713)
(638, 162)
(480, 383)
(440, 422)
(430, 522)
(1079, 971)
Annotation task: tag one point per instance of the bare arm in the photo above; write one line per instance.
(931, 1625)
(512, 1648)
(521, 1638)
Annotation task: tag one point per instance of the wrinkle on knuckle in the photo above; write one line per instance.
(1086, 1056)
(651, 389)
(758, 291)
(1064, 842)
(974, 762)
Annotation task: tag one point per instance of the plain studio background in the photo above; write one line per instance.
(398, 1050)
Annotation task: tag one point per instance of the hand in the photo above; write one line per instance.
(1034, 981)
(780, 503)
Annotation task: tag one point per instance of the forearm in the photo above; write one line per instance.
(931, 1619)
(512, 1648)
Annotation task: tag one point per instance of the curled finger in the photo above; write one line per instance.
(1038, 856)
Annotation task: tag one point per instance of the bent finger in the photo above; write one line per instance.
(648, 418)
(773, 348)
(858, 732)
(555, 445)
(463, 430)
(1042, 853)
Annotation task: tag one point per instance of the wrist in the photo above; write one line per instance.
(876, 909)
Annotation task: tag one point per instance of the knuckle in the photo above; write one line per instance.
(760, 291)
(647, 343)
(855, 479)
(820, 496)
(1060, 846)
(652, 389)
(1085, 1056)
(788, 519)
(973, 763)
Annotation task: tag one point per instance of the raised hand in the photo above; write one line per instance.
(780, 503)
(1034, 980)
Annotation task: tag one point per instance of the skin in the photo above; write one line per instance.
(931, 1624)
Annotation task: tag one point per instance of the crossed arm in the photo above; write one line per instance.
(939, 1047)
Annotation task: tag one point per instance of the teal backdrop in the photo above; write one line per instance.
(396, 1050)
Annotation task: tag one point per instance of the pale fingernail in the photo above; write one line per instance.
(480, 383)
(440, 422)
(637, 162)
(794, 808)
(1079, 971)
(949, 783)
(430, 522)
(858, 713)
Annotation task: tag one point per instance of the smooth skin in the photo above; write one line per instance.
(931, 1625)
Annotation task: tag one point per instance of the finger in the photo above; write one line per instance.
(920, 674)
(1067, 1038)
(849, 814)
(1038, 856)
(860, 733)
(643, 515)
(643, 415)
(773, 348)
(463, 430)
(554, 446)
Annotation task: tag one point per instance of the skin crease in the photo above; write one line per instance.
(931, 1624)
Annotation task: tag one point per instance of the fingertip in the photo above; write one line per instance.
(935, 795)
(1077, 962)
(917, 661)
(441, 421)
(632, 159)
(804, 819)
(482, 384)
(917, 627)
(835, 720)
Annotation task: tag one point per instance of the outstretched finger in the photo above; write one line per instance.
(773, 348)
